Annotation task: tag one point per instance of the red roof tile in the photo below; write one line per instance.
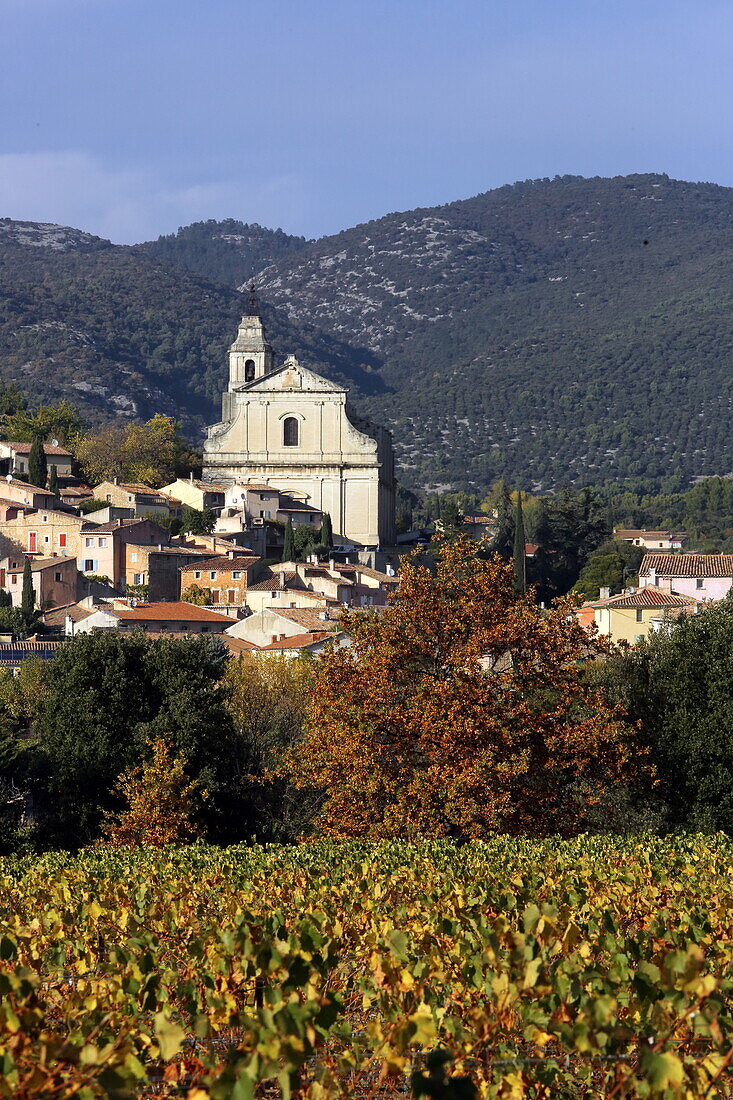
(687, 565)
(650, 596)
(171, 612)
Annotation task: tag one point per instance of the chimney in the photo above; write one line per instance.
(653, 577)
(114, 480)
(190, 477)
(604, 593)
(231, 553)
(323, 615)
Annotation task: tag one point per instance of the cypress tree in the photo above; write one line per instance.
(28, 596)
(326, 536)
(37, 465)
(53, 481)
(519, 560)
(503, 539)
(289, 545)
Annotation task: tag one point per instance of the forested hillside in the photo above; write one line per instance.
(550, 331)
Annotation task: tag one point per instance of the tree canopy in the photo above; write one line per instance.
(460, 711)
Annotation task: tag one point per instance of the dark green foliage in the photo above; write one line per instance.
(451, 517)
(6, 600)
(305, 539)
(53, 481)
(109, 695)
(326, 536)
(37, 465)
(704, 512)
(568, 529)
(197, 522)
(92, 505)
(679, 686)
(503, 541)
(28, 596)
(13, 621)
(518, 557)
(612, 565)
(289, 544)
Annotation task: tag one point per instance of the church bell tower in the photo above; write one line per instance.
(250, 356)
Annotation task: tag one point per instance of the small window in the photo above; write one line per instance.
(639, 615)
(290, 431)
(266, 513)
(102, 542)
(237, 575)
(215, 595)
(197, 575)
(14, 579)
(46, 538)
(138, 578)
(249, 370)
(57, 576)
(44, 518)
(62, 540)
(90, 565)
(89, 542)
(133, 556)
(700, 582)
(273, 595)
(212, 575)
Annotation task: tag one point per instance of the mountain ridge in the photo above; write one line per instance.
(554, 331)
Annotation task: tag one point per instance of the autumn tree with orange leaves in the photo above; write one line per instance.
(461, 711)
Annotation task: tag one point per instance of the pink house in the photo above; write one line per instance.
(703, 576)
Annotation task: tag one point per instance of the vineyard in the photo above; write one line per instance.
(596, 967)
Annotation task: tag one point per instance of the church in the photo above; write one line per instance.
(290, 428)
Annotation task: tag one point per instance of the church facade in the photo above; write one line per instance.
(291, 428)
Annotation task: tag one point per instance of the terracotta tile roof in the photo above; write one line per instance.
(367, 571)
(57, 615)
(224, 564)
(237, 645)
(639, 533)
(178, 612)
(90, 528)
(49, 449)
(650, 596)
(307, 617)
(300, 641)
(38, 564)
(687, 565)
(257, 487)
(27, 485)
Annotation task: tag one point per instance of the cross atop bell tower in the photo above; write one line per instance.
(250, 356)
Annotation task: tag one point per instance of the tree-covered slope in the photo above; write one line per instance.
(556, 330)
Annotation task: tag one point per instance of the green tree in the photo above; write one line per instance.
(37, 465)
(61, 421)
(53, 481)
(678, 687)
(28, 595)
(305, 540)
(503, 541)
(195, 522)
(109, 696)
(326, 536)
(612, 565)
(519, 558)
(289, 544)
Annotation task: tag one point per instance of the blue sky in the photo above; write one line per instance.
(129, 118)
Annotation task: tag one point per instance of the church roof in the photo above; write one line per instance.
(308, 380)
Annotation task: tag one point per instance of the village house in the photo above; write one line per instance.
(45, 531)
(311, 644)
(702, 576)
(54, 580)
(172, 617)
(225, 577)
(14, 653)
(284, 591)
(197, 494)
(631, 616)
(143, 500)
(273, 625)
(21, 492)
(650, 540)
(14, 459)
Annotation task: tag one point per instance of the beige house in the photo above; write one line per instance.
(650, 540)
(196, 494)
(143, 500)
(631, 616)
(272, 625)
(291, 427)
(14, 458)
(155, 618)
